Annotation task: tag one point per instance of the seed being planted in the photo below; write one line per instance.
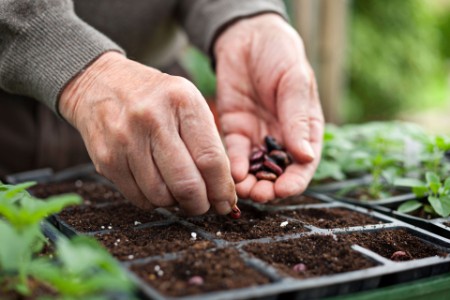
(299, 268)
(265, 175)
(400, 256)
(272, 144)
(235, 212)
(272, 166)
(255, 167)
(196, 280)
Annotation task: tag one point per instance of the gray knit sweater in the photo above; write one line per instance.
(45, 43)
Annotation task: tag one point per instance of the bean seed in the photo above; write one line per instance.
(280, 157)
(256, 156)
(196, 280)
(235, 212)
(272, 166)
(255, 167)
(299, 268)
(272, 144)
(265, 175)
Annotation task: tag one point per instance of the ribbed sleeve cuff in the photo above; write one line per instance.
(208, 18)
(51, 50)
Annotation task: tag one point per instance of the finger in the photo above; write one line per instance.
(202, 139)
(147, 176)
(178, 171)
(262, 191)
(119, 172)
(296, 177)
(244, 187)
(238, 148)
(294, 99)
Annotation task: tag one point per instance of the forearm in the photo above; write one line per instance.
(43, 46)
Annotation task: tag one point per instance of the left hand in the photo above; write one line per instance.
(267, 87)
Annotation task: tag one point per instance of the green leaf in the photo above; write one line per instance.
(420, 191)
(447, 185)
(433, 181)
(437, 206)
(409, 206)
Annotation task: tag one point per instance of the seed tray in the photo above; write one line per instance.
(436, 225)
(333, 191)
(384, 272)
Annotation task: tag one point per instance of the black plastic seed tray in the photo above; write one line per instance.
(334, 189)
(436, 225)
(281, 284)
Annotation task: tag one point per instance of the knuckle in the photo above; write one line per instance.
(143, 113)
(187, 189)
(104, 158)
(182, 92)
(210, 158)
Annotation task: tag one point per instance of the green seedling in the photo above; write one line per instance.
(435, 192)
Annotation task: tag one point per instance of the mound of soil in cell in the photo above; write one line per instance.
(319, 254)
(91, 192)
(130, 244)
(219, 270)
(295, 200)
(387, 242)
(114, 216)
(253, 224)
(331, 217)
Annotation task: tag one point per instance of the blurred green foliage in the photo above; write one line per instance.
(199, 67)
(396, 58)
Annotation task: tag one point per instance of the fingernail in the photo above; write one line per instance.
(308, 150)
(223, 207)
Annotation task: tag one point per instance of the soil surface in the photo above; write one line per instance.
(38, 291)
(120, 215)
(158, 240)
(387, 242)
(253, 224)
(320, 255)
(220, 270)
(447, 224)
(331, 217)
(295, 200)
(91, 192)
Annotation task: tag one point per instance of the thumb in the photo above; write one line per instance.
(295, 97)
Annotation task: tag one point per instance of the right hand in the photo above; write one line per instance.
(152, 134)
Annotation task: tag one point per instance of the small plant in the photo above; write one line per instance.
(437, 195)
(81, 267)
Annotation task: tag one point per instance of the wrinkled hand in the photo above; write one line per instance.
(267, 87)
(152, 134)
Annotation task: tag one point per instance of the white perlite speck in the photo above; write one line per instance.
(109, 227)
(218, 233)
(193, 236)
(157, 268)
(103, 227)
(136, 223)
(131, 256)
(284, 224)
(160, 273)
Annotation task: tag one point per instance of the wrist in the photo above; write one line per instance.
(73, 91)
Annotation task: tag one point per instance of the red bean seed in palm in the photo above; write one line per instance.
(280, 157)
(265, 175)
(255, 167)
(272, 166)
(272, 144)
(256, 156)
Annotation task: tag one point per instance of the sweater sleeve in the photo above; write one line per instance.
(203, 20)
(43, 45)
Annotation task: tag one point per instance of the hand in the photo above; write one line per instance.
(152, 134)
(267, 87)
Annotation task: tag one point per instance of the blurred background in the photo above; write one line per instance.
(374, 60)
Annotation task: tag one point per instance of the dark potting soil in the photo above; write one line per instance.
(320, 255)
(38, 291)
(120, 215)
(253, 224)
(331, 217)
(158, 240)
(295, 200)
(387, 242)
(220, 270)
(91, 192)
